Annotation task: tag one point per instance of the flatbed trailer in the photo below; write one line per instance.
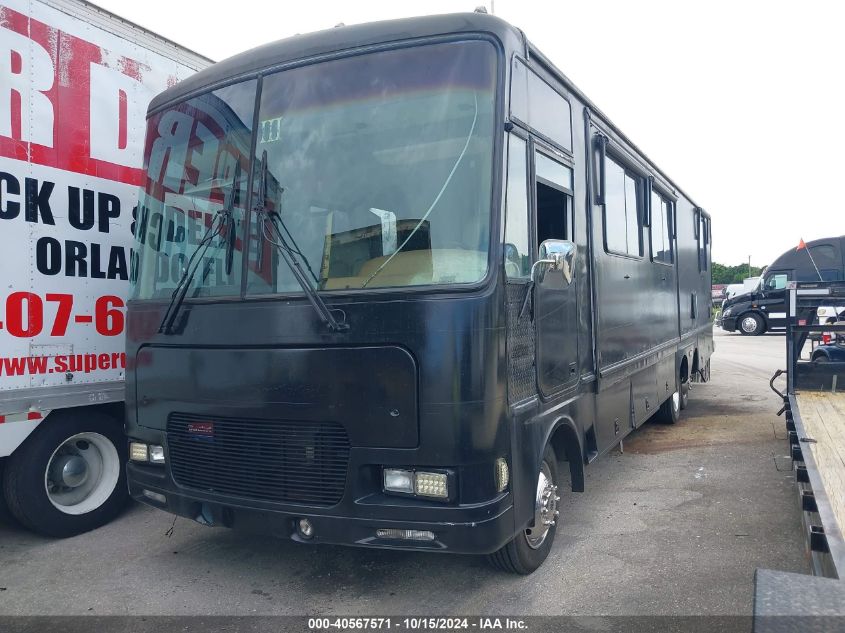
(814, 404)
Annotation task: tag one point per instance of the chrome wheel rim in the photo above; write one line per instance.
(676, 401)
(545, 508)
(749, 324)
(82, 473)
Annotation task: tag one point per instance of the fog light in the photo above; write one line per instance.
(158, 498)
(137, 452)
(306, 528)
(156, 454)
(396, 480)
(502, 474)
(405, 535)
(432, 485)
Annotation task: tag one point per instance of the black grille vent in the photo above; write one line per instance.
(268, 460)
(521, 345)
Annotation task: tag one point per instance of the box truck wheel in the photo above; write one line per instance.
(6, 517)
(531, 546)
(69, 476)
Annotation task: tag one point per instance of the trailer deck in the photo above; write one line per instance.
(823, 417)
(814, 404)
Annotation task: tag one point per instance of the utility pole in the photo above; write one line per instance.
(492, 7)
(749, 265)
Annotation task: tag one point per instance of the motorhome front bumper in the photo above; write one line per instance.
(372, 521)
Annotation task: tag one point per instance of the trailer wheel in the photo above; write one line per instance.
(531, 546)
(751, 324)
(69, 476)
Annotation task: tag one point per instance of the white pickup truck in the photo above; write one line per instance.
(75, 82)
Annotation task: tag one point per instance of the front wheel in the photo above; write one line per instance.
(69, 476)
(531, 546)
(751, 325)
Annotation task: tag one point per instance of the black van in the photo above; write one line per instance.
(764, 308)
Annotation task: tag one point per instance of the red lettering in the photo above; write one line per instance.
(24, 306)
(37, 364)
(63, 314)
(53, 71)
(108, 318)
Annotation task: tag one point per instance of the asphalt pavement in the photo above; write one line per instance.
(674, 525)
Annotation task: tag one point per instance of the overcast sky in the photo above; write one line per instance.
(739, 101)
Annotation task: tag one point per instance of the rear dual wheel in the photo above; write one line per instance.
(670, 411)
(531, 546)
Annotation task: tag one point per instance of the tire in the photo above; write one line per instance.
(705, 373)
(6, 517)
(684, 392)
(80, 454)
(528, 550)
(670, 411)
(751, 324)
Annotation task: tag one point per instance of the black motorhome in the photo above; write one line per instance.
(389, 280)
(764, 308)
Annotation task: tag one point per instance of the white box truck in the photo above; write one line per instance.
(75, 82)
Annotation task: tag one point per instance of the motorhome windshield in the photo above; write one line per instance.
(377, 169)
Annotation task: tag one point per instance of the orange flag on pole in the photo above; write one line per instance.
(801, 245)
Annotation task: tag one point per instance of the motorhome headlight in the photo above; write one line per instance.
(146, 453)
(727, 312)
(431, 485)
(156, 454)
(137, 452)
(418, 483)
(397, 480)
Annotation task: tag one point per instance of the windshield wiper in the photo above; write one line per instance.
(291, 253)
(223, 217)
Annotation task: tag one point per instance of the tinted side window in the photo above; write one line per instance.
(517, 256)
(621, 211)
(703, 240)
(538, 105)
(661, 232)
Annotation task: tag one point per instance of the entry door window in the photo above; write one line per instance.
(517, 241)
(554, 199)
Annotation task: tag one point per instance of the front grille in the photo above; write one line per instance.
(268, 460)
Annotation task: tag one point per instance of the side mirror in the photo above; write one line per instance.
(555, 255)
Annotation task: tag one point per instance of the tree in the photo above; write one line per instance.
(723, 274)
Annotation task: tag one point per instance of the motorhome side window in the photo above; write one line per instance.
(622, 217)
(703, 240)
(661, 229)
(540, 107)
(517, 254)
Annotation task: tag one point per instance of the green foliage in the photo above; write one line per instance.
(723, 274)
